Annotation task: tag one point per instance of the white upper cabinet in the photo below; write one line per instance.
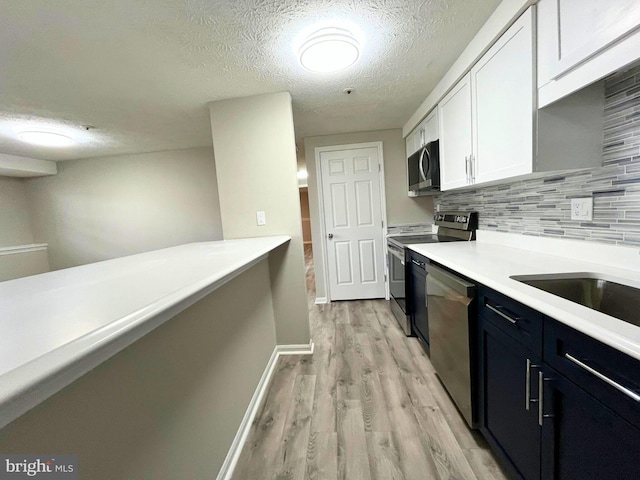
(409, 144)
(486, 121)
(581, 41)
(425, 132)
(454, 114)
(503, 105)
(430, 126)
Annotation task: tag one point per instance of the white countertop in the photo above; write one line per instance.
(56, 326)
(491, 264)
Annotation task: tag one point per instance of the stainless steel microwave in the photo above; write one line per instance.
(423, 169)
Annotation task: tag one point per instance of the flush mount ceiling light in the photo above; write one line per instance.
(45, 139)
(302, 174)
(329, 50)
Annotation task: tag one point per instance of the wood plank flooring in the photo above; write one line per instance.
(366, 405)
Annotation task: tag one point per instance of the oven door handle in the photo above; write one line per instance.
(397, 254)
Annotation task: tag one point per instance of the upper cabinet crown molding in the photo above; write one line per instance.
(15, 166)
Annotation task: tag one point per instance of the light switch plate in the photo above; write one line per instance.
(261, 218)
(582, 208)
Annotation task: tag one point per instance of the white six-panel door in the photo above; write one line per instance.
(353, 223)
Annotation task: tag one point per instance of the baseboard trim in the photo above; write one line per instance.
(33, 247)
(233, 454)
(231, 460)
(305, 349)
(321, 300)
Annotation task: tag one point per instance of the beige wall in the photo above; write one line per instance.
(168, 406)
(15, 221)
(102, 208)
(401, 209)
(15, 230)
(24, 264)
(253, 141)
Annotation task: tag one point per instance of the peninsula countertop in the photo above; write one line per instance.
(492, 264)
(56, 326)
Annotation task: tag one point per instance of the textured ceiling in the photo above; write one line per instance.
(143, 71)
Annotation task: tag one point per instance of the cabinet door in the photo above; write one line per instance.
(582, 438)
(430, 126)
(503, 93)
(409, 144)
(454, 117)
(572, 31)
(510, 428)
(419, 317)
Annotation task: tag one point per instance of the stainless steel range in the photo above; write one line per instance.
(452, 227)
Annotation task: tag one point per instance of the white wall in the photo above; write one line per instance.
(401, 209)
(254, 145)
(102, 208)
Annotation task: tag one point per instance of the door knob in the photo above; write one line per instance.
(330, 235)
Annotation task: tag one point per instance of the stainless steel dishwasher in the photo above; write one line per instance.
(451, 309)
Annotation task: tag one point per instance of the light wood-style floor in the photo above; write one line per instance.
(366, 405)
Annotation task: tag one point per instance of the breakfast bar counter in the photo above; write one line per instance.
(57, 326)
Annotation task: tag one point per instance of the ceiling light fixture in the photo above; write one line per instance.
(302, 174)
(45, 139)
(329, 50)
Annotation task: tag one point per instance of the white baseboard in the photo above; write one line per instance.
(230, 462)
(321, 300)
(296, 349)
(33, 247)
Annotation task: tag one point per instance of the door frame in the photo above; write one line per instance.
(383, 206)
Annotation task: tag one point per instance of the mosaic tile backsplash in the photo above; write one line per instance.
(409, 228)
(541, 206)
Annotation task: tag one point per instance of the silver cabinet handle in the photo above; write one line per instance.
(527, 388)
(415, 262)
(629, 393)
(466, 168)
(498, 312)
(541, 414)
(472, 169)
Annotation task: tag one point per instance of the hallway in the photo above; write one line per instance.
(366, 405)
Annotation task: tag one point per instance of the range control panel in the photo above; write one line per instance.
(457, 220)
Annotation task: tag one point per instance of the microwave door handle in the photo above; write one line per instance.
(424, 154)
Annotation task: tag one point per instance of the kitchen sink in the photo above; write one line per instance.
(592, 290)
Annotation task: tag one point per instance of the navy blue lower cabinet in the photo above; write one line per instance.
(582, 438)
(555, 404)
(509, 393)
(418, 302)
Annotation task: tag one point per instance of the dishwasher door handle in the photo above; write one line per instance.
(450, 280)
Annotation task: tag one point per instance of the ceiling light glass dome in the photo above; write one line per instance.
(329, 50)
(45, 139)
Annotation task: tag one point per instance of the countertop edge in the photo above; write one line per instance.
(545, 303)
(28, 385)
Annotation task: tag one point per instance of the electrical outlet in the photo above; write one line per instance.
(261, 218)
(582, 208)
